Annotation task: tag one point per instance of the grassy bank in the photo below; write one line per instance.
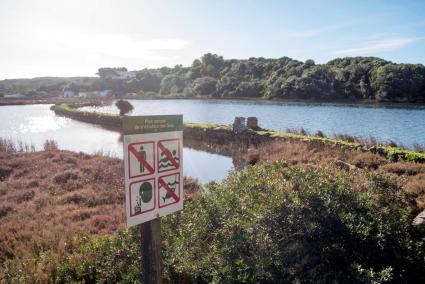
(269, 223)
(308, 219)
(192, 130)
(104, 119)
(390, 152)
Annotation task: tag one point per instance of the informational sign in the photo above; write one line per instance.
(153, 164)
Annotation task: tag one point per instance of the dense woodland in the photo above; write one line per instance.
(350, 78)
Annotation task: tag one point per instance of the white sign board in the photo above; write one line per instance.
(153, 165)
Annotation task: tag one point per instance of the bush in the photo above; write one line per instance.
(7, 145)
(50, 145)
(86, 260)
(101, 260)
(124, 107)
(319, 133)
(278, 223)
(273, 223)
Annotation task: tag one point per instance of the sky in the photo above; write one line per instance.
(76, 37)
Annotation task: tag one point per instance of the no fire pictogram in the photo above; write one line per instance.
(141, 160)
(169, 190)
(168, 155)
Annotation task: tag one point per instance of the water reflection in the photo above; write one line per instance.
(205, 166)
(33, 124)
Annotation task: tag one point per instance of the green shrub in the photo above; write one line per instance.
(278, 223)
(269, 223)
(101, 259)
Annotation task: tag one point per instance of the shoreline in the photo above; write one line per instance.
(53, 101)
(370, 103)
(222, 134)
(351, 103)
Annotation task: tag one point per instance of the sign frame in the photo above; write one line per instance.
(153, 129)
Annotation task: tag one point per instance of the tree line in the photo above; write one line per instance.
(350, 78)
(345, 79)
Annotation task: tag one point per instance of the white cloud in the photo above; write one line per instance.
(49, 51)
(378, 46)
(116, 45)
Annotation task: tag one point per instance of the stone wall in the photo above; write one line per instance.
(252, 123)
(239, 125)
(224, 136)
(90, 117)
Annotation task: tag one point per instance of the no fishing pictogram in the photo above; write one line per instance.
(141, 160)
(168, 190)
(168, 155)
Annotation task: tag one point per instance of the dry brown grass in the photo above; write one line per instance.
(411, 176)
(296, 153)
(9, 146)
(416, 186)
(404, 168)
(48, 196)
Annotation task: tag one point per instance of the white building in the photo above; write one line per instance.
(82, 94)
(93, 94)
(14, 96)
(125, 75)
(105, 93)
(68, 92)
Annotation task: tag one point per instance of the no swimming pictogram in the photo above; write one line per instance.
(168, 155)
(141, 160)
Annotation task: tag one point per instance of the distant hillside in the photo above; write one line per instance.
(351, 78)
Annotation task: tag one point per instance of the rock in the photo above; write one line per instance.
(239, 125)
(419, 220)
(345, 166)
(252, 156)
(252, 123)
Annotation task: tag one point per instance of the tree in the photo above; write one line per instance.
(211, 64)
(309, 62)
(108, 72)
(124, 107)
(172, 84)
(205, 86)
(150, 80)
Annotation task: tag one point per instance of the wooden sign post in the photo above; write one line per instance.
(151, 251)
(153, 168)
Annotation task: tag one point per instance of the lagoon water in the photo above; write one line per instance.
(33, 124)
(401, 124)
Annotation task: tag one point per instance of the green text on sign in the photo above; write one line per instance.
(152, 124)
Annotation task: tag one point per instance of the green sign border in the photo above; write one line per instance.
(152, 124)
